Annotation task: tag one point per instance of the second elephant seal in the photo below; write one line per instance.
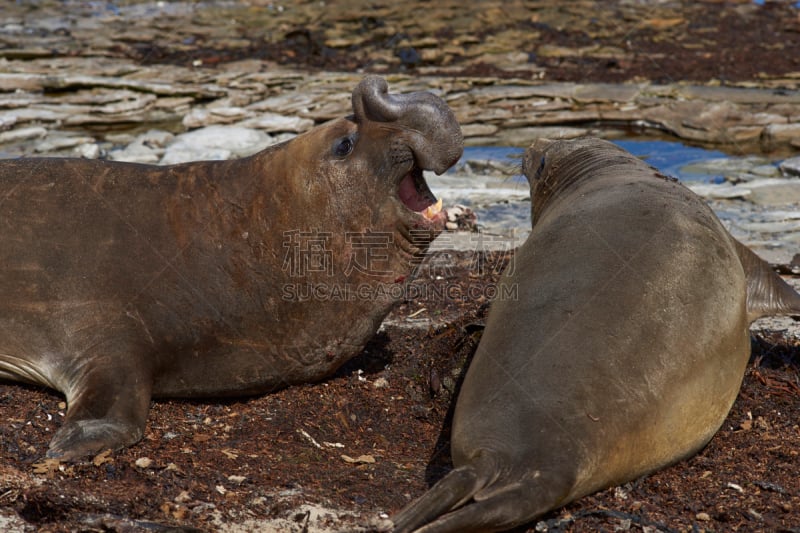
(622, 354)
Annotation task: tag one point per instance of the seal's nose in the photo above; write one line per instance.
(434, 134)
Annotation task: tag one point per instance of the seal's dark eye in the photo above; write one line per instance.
(343, 146)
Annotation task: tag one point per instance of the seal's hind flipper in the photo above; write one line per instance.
(767, 293)
(449, 492)
(503, 508)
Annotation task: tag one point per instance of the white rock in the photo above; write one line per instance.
(771, 227)
(184, 154)
(767, 171)
(275, 123)
(719, 192)
(144, 462)
(199, 117)
(774, 191)
(137, 152)
(22, 134)
(56, 141)
(88, 150)
(732, 167)
(215, 142)
(156, 138)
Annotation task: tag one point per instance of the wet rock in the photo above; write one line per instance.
(776, 135)
(721, 191)
(774, 191)
(791, 166)
(771, 227)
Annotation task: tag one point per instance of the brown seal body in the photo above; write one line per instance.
(217, 278)
(622, 353)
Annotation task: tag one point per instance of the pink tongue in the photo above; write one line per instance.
(410, 197)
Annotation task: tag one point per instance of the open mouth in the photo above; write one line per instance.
(415, 195)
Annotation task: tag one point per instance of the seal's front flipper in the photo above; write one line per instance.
(767, 293)
(107, 407)
(83, 438)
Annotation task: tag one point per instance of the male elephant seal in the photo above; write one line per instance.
(623, 353)
(124, 281)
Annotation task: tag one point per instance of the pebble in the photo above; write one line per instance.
(144, 462)
(88, 151)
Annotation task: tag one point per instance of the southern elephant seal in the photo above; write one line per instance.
(121, 282)
(623, 353)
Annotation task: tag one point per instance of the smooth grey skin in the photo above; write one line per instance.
(623, 353)
(121, 282)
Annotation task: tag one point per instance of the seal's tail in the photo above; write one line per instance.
(767, 293)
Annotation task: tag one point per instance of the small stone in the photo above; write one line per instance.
(156, 138)
(88, 151)
(703, 517)
(183, 497)
(734, 486)
(380, 383)
(136, 152)
(144, 462)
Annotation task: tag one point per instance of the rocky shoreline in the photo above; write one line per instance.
(46, 103)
